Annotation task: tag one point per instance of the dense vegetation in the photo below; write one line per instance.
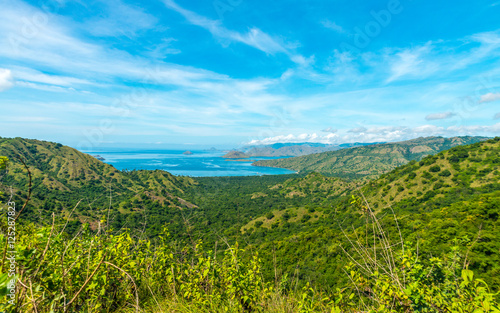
(424, 237)
(369, 161)
(295, 149)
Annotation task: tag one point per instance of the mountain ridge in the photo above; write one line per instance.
(371, 160)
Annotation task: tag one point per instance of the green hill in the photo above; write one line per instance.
(369, 161)
(62, 176)
(459, 201)
(447, 208)
(458, 170)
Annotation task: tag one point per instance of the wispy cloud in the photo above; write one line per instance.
(330, 130)
(163, 49)
(121, 20)
(182, 83)
(255, 37)
(358, 130)
(489, 97)
(333, 26)
(497, 116)
(34, 76)
(439, 116)
(5, 79)
(410, 63)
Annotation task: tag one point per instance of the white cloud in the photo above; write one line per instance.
(489, 43)
(439, 116)
(489, 97)
(329, 130)
(383, 134)
(333, 26)
(428, 130)
(120, 20)
(161, 50)
(254, 37)
(358, 130)
(412, 63)
(34, 76)
(5, 79)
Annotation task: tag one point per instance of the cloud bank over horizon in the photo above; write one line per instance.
(380, 134)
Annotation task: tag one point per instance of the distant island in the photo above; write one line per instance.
(241, 160)
(187, 152)
(100, 158)
(234, 154)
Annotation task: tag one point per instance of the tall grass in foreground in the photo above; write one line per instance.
(104, 272)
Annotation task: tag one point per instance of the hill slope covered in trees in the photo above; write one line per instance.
(62, 176)
(368, 161)
(304, 228)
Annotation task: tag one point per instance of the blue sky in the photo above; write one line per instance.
(229, 72)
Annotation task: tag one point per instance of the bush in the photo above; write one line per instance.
(396, 278)
(435, 168)
(286, 216)
(305, 218)
(445, 173)
(426, 175)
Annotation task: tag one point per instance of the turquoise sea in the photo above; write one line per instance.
(200, 163)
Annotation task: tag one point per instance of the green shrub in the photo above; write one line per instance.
(435, 168)
(426, 175)
(305, 218)
(445, 173)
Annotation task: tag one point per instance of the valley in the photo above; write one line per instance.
(301, 225)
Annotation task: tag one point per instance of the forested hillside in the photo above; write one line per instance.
(434, 206)
(62, 176)
(250, 243)
(369, 161)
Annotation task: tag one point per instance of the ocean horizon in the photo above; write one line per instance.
(201, 163)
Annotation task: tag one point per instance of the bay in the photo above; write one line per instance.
(201, 163)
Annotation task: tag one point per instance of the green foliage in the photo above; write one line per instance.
(435, 169)
(4, 161)
(104, 272)
(300, 248)
(445, 173)
(416, 285)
